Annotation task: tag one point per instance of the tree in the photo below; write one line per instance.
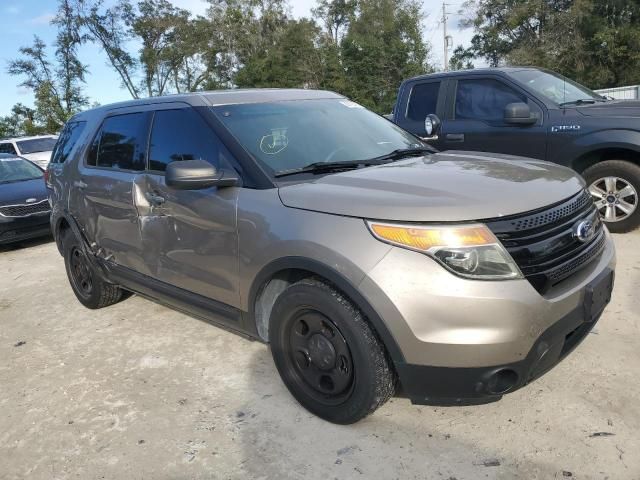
(293, 60)
(57, 88)
(595, 42)
(335, 15)
(462, 59)
(382, 47)
(22, 121)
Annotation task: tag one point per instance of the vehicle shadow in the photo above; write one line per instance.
(280, 439)
(25, 244)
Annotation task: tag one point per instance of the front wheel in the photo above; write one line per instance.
(327, 354)
(614, 186)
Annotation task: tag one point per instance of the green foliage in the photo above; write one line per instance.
(362, 48)
(57, 87)
(594, 42)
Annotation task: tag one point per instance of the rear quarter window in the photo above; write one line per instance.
(7, 148)
(68, 139)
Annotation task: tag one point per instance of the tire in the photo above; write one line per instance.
(611, 177)
(327, 354)
(87, 284)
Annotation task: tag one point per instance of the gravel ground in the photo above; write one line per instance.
(138, 390)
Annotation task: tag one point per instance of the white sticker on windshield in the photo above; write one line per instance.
(350, 104)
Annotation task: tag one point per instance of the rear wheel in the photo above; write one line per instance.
(327, 354)
(88, 286)
(615, 188)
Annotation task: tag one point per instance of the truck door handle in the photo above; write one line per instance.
(79, 184)
(455, 137)
(154, 199)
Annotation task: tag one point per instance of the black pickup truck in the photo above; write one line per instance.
(536, 113)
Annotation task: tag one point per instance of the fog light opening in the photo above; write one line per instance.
(502, 381)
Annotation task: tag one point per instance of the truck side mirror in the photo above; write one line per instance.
(196, 175)
(518, 113)
(432, 125)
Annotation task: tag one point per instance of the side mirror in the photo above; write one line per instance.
(518, 113)
(196, 175)
(432, 125)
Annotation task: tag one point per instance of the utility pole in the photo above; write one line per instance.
(444, 36)
(446, 39)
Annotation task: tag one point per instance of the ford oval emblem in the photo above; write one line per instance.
(30, 200)
(584, 231)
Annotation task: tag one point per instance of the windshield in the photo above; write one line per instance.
(288, 135)
(555, 87)
(18, 170)
(36, 145)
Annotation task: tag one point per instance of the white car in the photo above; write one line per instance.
(37, 149)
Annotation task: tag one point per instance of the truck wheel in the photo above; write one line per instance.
(328, 356)
(89, 287)
(614, 186)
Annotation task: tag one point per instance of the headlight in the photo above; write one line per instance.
(471, 251)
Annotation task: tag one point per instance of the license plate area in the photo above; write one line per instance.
(597, 295)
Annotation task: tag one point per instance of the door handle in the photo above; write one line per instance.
(79, 184)
(154, 199)
(455, 137)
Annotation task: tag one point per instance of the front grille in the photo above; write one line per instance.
(26, 209)
(543, 243)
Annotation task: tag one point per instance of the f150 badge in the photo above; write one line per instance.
(564, 128)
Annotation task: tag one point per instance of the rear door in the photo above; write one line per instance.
(189, 237)
(103, 192)
(475, 119)
(420, 98)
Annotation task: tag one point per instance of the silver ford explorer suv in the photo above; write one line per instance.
(369, 262)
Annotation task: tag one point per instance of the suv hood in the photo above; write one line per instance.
(443, 187)
(614, 108)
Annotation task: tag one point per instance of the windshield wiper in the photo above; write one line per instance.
(580, 101)
(322, 167)
(401, 153)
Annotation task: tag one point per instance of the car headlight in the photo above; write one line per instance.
(471, 251)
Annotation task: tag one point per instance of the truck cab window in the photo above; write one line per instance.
(484, 99)
(423, 100)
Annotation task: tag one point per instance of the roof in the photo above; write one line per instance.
(226, 97)
(19, 139)
(473, 71)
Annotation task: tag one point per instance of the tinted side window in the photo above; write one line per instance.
(120, 143)
(423, 100)
(181, 135)
(7, 148)
(484, 99)
(67, 141)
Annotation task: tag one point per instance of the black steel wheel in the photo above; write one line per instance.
(327, 354)
(320, 357)
(80, 274)
(89, 287)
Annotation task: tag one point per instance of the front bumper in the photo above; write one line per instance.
(15, 229)
(469, 341)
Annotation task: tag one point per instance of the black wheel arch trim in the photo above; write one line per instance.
(338, 280)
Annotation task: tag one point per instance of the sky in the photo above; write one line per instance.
(20, 20)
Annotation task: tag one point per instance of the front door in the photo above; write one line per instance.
(102, 194)
(189, 237)
(476, 120)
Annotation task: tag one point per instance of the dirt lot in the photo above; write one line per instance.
(138, 390)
